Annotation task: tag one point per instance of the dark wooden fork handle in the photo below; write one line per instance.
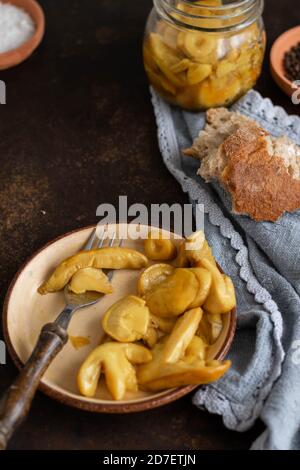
(16, 401)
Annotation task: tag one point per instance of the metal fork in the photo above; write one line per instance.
(75, 302)
(16, 401)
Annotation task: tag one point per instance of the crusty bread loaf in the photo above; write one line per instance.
(261, 172)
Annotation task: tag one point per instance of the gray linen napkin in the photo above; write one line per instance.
(264, 262)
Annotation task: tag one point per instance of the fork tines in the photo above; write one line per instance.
(96, 241)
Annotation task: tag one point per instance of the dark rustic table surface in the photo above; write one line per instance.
(78, 130)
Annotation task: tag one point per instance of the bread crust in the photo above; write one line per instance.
(261, 183)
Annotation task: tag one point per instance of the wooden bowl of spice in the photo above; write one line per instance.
(22, 27)
(285, 60)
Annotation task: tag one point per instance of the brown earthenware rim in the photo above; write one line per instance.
(144, 405)
(282, 45)
(16, 56)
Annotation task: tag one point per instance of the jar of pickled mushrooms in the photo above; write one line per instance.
(203, 54)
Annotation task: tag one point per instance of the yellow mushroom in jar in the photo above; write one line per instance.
(165, 58)
(201, 47)
(161, 51)
(224, 68)
(180, 66)
(199, 14)
(170, 36)
(160, 82)
(196, 73)
(215, 92)
(188, 97)
(149, 62)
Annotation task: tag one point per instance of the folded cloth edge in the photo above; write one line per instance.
(208, 397)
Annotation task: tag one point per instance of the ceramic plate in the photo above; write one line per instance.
(26, 311)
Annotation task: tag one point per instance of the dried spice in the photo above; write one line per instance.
(292, 63)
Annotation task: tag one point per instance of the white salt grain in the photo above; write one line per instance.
(16, 27)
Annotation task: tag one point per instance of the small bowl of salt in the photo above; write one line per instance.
(22, 27)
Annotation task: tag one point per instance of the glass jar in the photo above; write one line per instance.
(203, 54)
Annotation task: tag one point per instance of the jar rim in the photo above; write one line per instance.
(241, 13)
(223, 6)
